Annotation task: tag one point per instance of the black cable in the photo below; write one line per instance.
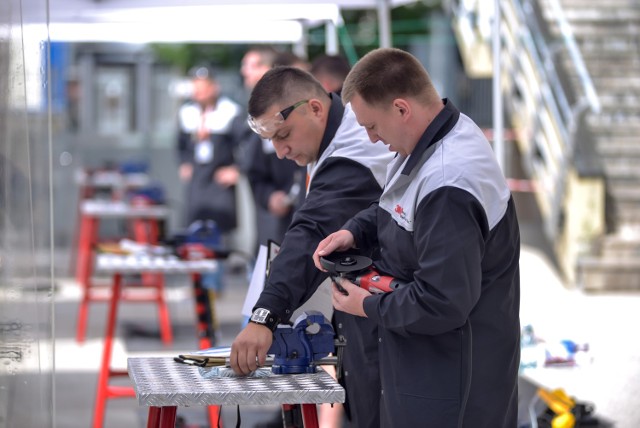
(238, 419)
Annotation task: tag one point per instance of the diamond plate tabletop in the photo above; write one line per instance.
(160, 381)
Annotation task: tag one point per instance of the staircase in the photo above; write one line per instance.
(570, 78)
(608, 36)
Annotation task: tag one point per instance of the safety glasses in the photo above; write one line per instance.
(268, 125)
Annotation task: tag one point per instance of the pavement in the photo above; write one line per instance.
(609, 376)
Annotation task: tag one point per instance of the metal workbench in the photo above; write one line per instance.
(162, 384)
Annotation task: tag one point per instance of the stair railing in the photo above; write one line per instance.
(543, 108)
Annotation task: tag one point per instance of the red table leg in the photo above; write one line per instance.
(103, 377)
(153, 420)
(204, 332)
(163, 311)
(84, 269)
(168, 417)
(310, 415)
(214, 416)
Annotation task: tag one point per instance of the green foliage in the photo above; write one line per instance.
(359, 34)
(185, 55)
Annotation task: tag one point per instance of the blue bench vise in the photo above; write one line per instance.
(305, 345)
(296, 349)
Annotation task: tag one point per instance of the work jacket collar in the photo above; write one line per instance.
(437, 129)
(336, 111)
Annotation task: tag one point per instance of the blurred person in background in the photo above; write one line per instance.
(289, 59)
(276, 184)
(205, 151)
(330, 70)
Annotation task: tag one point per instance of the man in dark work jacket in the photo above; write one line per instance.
(448, 341)
(346, 172)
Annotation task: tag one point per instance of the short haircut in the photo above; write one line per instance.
(332, 65)
(388, 73)
(283, 86)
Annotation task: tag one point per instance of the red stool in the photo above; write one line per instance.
(106, 391)
(145, 230)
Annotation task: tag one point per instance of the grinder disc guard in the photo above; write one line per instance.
(341, 262)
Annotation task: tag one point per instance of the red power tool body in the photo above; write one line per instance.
(373, 282)
(359, 270)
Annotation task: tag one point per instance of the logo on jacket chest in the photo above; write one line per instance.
(401, 213)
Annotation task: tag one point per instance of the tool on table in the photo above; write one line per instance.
(151, 194)
(201, 240)
(296, 349)
(563, 411)
(359, 270)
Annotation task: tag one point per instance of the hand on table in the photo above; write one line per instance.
(249, 349)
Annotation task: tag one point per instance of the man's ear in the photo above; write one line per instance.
(401, 107)
(316, 106)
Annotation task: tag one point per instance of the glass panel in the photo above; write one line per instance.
(26, 280)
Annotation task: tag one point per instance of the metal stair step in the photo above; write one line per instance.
(608, 274)
(620, 168)
(610, 48)
(596, 3)
(627, 212)
(612, 148)
(626, 194)
(621, 246)
(623, 131)
(600, 30)
(616, 85)
(630, 97)
(602, 13)
(609, 31)
(626, 66)
(604, 122)
(623, 185)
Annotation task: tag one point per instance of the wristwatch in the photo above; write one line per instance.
(266, 318)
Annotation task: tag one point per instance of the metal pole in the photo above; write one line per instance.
(498, 138)
(300, 47)
(331, 36)
(384, 23)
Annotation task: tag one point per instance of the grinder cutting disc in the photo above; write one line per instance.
(340, 263)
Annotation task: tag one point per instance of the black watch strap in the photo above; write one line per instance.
(265, 317)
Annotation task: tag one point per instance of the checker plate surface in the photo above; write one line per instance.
(160, 381)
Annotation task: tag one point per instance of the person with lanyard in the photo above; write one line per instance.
(205, 151)
(346, 172)
(207, 166)
(447, 341)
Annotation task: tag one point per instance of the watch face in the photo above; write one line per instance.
(260, 316)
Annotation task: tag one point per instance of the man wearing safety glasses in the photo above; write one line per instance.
(346, 173)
